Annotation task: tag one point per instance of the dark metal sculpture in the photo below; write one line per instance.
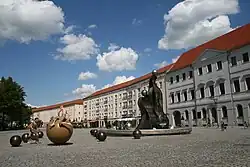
(151, 107)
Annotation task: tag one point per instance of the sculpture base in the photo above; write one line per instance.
(148, 132)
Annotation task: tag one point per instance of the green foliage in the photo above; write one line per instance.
(12, 106)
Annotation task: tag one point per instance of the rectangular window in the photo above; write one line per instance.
(192, 94)
(222, 88)
(171, 80)
(183, 76)
(211, 90)
(219, 65)
(202, 93)
(209, 68)
(185, 95)
(245, 57)
(236, 85)
(190, 74)
(177, 78)
(200, 71)
(172, 97)
(179, 96)
(199, 115)
(248, 83)
(233, 61)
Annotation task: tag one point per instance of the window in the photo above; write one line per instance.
(194, 114)
(199, 115)
(219, 65)
(209, 68)
(248, 83)
(204, 113)
(211, 90)
(224, 112)
(200, 71)
(202, 93)
(171, 80)
(177, 78)
(185, 95)
(236, 85)
(179, 96)
(245, 57)
(222, 88)
(240, 110)
(233, 61)
(172, 97)
(183, 76)
(192, 94)
(190, 74)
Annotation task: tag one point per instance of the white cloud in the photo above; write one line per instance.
(192, 22)
(175, 59)
(147, 50)
(118, 80)
(113, 47)
(162, 64)
(34, 106)
(84, 90)
(118, 60)
(69, 29)
(78, 47)
(87, 75)
(27, 20)
(92, 26)
(136, 21)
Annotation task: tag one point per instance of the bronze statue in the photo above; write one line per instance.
(59, 129)
(151, 107)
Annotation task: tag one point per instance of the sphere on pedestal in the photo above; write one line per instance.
(154, 72)
(144, 92)
(40, 134)
(15, 141)
(101, 136)
(137, 134)
(25, 137)
(34, 136)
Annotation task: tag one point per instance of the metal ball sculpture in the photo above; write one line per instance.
(40, 134)
(92, 132)
(144, 92)
(101, 136)
(25, 137)
(34, 136)
(137, 134)
(15, 141)
(95, 132)
(59, 132)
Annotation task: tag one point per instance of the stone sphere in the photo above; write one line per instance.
(144, 92)
(101, 136)
(15, 141)
(137, 134)
(92, 132)
(95, 132)
(59, 133)
(25, 137)
(34, 136)
(40, 134)
(154, 72)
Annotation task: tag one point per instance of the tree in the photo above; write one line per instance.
(12, 106)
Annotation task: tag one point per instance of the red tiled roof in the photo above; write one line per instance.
(129, 83)
(68, 103)
(232, 40)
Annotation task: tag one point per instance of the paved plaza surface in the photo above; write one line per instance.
(204, 147)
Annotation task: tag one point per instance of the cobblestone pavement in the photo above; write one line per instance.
(204, 147)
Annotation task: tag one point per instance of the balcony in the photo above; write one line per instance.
(124, 107)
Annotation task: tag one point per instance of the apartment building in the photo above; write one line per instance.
(74, 109)
(210, 83)
(119, 102)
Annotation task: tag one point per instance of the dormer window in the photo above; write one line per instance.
(171, 80)
(200, 72)
(177, 78)
(209, 68)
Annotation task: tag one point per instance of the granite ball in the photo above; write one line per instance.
(144, 92)
(137, 134)
(40, 134)
(92, 132)
(101, 136)
(25, 137)
(95, 132)
(34, 136)
(15, 141)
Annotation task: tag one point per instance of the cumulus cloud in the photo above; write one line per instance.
(118, 80)
(192, 22)
(87, 75)
(27, 20)
(34, 106)
(113, 47)
(92, 26)
(84, 91)
(117, 60)
(162, 64)
(78, 47)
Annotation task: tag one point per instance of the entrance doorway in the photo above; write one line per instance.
(177, 118)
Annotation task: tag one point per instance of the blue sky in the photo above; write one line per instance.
(136, 28)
